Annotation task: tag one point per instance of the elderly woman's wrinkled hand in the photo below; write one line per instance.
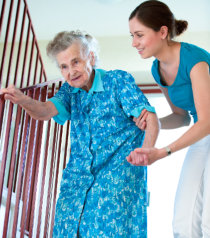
(138, 159)
(144, 156)
(13, 94)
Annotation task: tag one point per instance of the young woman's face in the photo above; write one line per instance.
(76, 67)
(145, 39)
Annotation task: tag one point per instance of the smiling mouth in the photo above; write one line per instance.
(76, 78)
(140, 51)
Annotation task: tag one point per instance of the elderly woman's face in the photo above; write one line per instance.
(76, 67)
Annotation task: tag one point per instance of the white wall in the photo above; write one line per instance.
(116, 52)
(108, 22)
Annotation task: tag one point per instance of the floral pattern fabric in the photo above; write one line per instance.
(101, 193)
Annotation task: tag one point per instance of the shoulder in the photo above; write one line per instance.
(66, 88)
(119, 76)
(64, 92)
(191, 54)
(188, 49)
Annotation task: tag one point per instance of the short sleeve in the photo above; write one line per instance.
(132, 99)
(191, 55)
(62, 102)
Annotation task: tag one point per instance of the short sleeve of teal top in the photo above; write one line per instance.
(180, 92)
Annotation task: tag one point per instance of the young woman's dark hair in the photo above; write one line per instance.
(155, 14)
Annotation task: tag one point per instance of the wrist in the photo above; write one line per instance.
(26, 101)
(164, 152)
(168, 150)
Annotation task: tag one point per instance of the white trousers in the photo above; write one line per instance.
(192, 202)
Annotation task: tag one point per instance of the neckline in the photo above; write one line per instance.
(159, 74)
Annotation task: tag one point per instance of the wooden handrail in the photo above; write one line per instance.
(144, 87)
(39, 85)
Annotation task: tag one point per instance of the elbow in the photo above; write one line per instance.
(39, 118)
(45, 118)
(204, 125)
(206, 122)
(208, 127)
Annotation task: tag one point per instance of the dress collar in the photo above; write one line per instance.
(97, 85)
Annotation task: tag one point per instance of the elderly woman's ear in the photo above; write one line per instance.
(92, 58)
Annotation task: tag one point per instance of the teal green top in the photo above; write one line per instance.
(180, 92)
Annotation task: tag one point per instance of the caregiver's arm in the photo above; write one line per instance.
(177, 118)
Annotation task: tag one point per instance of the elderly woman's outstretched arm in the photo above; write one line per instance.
(36, 109)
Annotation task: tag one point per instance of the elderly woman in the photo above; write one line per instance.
(101, 194)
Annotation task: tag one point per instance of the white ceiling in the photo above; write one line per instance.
(106, 17)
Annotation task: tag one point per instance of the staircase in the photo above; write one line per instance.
(32, 153)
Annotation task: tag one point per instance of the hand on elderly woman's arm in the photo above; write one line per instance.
(141, 120)
(150, 121)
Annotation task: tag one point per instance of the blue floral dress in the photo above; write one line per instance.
(101, 193)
